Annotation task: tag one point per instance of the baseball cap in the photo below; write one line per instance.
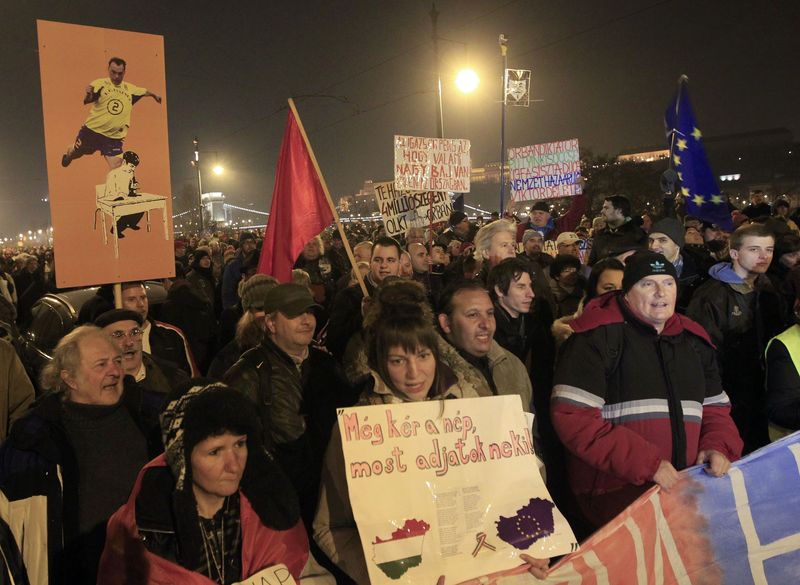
(290, 299)
(567, 238)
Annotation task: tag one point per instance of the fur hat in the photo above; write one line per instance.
(254, 290)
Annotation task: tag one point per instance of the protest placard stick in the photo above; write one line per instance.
(118, 295)
(335, 213)
(430, 232)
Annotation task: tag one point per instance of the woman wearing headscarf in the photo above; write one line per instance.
(215, 508)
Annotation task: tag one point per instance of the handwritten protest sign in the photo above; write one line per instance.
(545, 171)
(447, 488)
(431, 164)
(275, 575)
(406, 209)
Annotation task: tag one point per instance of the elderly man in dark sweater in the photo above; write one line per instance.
(81, 447)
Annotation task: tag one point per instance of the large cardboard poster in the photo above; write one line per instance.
(432, 164)
(545, 171)
(105, 123)
(447, 488)
(402, 210)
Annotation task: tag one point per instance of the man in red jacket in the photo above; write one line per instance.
(646, 401)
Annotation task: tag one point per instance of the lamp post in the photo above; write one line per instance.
(503, 41)
(434, 14)
(196, 164)
(216, 169)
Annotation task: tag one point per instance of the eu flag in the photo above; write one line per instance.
(688, 157)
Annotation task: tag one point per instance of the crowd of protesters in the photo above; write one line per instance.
(643, 345)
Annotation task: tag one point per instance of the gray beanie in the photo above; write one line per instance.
(670, 227)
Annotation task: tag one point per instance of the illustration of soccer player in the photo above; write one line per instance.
(112, 101)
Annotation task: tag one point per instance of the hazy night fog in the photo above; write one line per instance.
(362, 71)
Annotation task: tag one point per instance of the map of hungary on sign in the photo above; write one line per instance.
(402, 551)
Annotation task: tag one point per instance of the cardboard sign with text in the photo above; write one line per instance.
(112, 220)
(402, 210)
(431, 164)
(447, 488)
(545, 171)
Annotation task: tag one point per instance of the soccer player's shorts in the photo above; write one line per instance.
(89, 141)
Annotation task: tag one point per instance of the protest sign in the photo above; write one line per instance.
(731, 530)
(111, 212)
(431, 164)
(275, 575)
(447, 488)
(406, 209)
(545, 171)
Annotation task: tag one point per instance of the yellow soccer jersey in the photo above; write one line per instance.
(111, 111)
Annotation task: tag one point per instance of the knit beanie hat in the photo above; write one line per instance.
(196, 412)
(643, 264)
(253, 291)
(530, 234)
(670, 227)
(540, 206)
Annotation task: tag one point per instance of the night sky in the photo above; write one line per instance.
(604, 72)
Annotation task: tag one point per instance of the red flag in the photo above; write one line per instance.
(300, 208)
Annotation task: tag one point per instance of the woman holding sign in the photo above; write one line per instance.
(405, 366)
(215, 508)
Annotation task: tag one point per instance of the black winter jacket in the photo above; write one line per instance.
(297, 407)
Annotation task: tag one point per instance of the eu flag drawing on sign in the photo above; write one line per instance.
(688, 157)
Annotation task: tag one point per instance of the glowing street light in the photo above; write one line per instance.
(467, 80)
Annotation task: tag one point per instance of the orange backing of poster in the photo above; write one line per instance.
(70, 58)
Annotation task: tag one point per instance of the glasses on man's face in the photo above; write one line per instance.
(134, 333)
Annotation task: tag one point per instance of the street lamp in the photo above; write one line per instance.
(467, 80)
(216, 169)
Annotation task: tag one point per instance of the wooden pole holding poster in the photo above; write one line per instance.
(335, 213)
(118, 295)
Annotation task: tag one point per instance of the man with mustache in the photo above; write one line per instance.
(741, 310)
(295, 388)
(124, 329)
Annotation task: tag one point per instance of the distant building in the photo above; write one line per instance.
(766, 159)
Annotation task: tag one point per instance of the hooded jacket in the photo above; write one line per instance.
(637, 398)
(156, 537)
(740, 321)
(133, 557)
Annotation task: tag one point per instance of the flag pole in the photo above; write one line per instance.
(681, 80)
(335, 213)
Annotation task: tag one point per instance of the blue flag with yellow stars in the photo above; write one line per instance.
(702, 197)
